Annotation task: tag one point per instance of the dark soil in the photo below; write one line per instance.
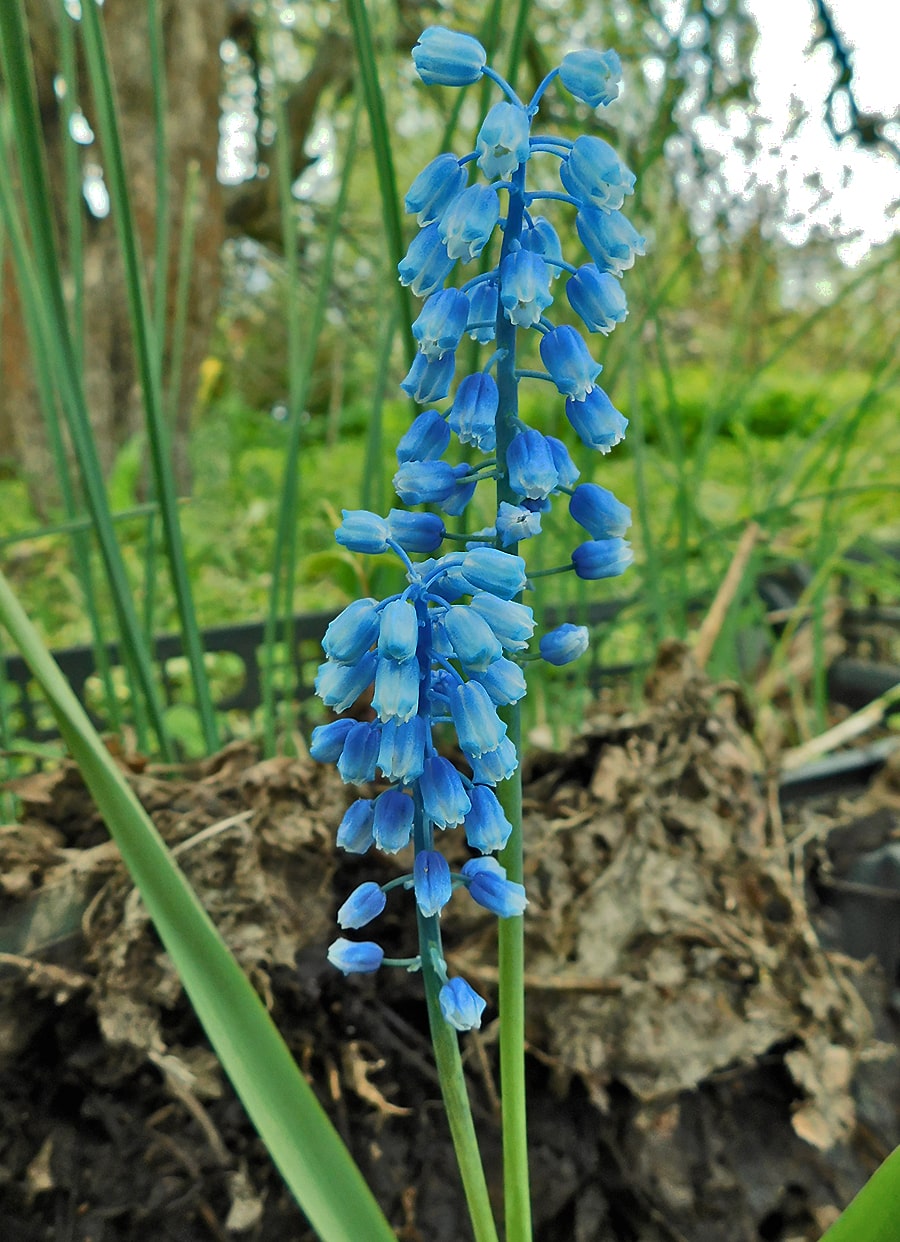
(706, 1061)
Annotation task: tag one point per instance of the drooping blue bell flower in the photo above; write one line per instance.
(488, 885)
(426, 438)
(340, 685)
(398, 635)
(461, 1005)
(431, 882)
(598, 298)
(401, 756)
(593, 77)
(478, 727)
(530, 464)
(427, 482)
(396, 694)
(392, 823)
(524, 287)
(481, 324)
(489, 569)
(435, 188)
(566, 469)
(540, 237)
(426, 264)
(360, 754)
(512, 623)
(327, 740)
(355, 957)
(362, 531)
(350, 635)
(610, 239)
(497, 765)
(596, 420)
(444, 797)
(503, 141)
(564, 644)
(504, 682)
(416, 532)
(515, 523)
(473, 413)
(363, 905)
(448, 58)
(593, 173)
(486, 826)
(473, 641)
(566, 357)
(468, 222)
(429, 379)
(602, 558)
(355, 829)
(597, 510)
(441, 323)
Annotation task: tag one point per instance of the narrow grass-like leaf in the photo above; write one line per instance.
(873, 1214)
(301, 1140)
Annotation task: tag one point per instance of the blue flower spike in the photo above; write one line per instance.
(447, 651)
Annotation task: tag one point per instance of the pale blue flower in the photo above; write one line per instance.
(393, 820)
(598, 298)
(431, 882)
(489, 569)
(482, 311)
(512, 623)
(429, 379)
(609, 238)
(328, 740)
(360, 754)
(540, 237)
(478, 727)
(474, 642)
(602, 558)
(350, 635)
(444, 796)
(503, 141)
(362, 531)
(495, 766)
(597, 510)
(398, 636)
(426, 264)
(448, 58)
(504, 682)
(473, 413)
(596, 420)
(435, 188)
(401, 756)
(340, 685)
(593, 173)
(468, 222)
(363, 905)
(486, 826)
(516, 522)
(355, 957)
(524, 288)
(564, 644)
(531, 466)
(425, 440)
(355, 830)
(488, 885)
(429, 482)
(396, 695)
(441, 323)
(416, 532)
(461, 1005)
(593, 77)
(566, 357)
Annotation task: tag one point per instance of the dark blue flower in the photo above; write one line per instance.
(360, 754)
(364, 904)
(443, 795)
(355, 957)
(435, 188)
(431, 882)
(593, 77)
(350, 635)
(474, 642)
(355, 830)
(447, 58)
(489, 569)
(425, 440)
(396, 694)
(468, 222)
(593, 173)
(564, 644)
(596, 420)
(597, 510)
(481, 324)
(566, 357)
(362, 531)
(426, 264)
(461, 1005)
(515, 522)
(602, 558)
(524, 287)
(401, 755)
(328, 740)
(503, 141)
(473, 413)
(486, 826)
(488, 885)
(416, 532)
(398, 636)
(609, 238)
(441, 323)
(598, 298)
(478, 727)
(340, 685)
(393, 820)
(429, 379)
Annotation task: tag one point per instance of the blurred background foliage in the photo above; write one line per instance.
(759, 369)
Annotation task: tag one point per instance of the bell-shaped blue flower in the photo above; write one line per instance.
(468, 222)
(489, 569)
(426, 264)
(593, 173)
(512, 623)
(540, 237)
(360, 754)
(473, 413)
(429, 379)
(486, 826)
(445, 577)
(488, 885)
(524, 287)
(497, 765)
(593, 77)
(416, 532)
(478, 727)
(598, 298)
(360, 957)
(566, 357)
(448, 58)
(362, 531)
(435, 188)
(529, 461)
(444, 797)
(566, 469)
(564, 644)
(596, 420)
(350, 635)
(364, 904)
(472, 639)
(355, 830)
(340, 685)
(431, 882)
(426, 438)
(602, 558)
(597, 510)
(503, 141)
(393, 820)
(399, 633)
(396, 695)
(461, 1005)
(515, 523)
(401, 756)
(504, 682)
(482, 321)
(441, 323)
(427, 482)
(610, 239)
(328, 740)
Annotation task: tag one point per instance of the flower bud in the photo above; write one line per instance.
(355, 957)
(564, 644)
(447, 58)
(602, 558)
(425, 440)
(597, 510)
(362, 531)
(363, 905)
(461, 1005)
